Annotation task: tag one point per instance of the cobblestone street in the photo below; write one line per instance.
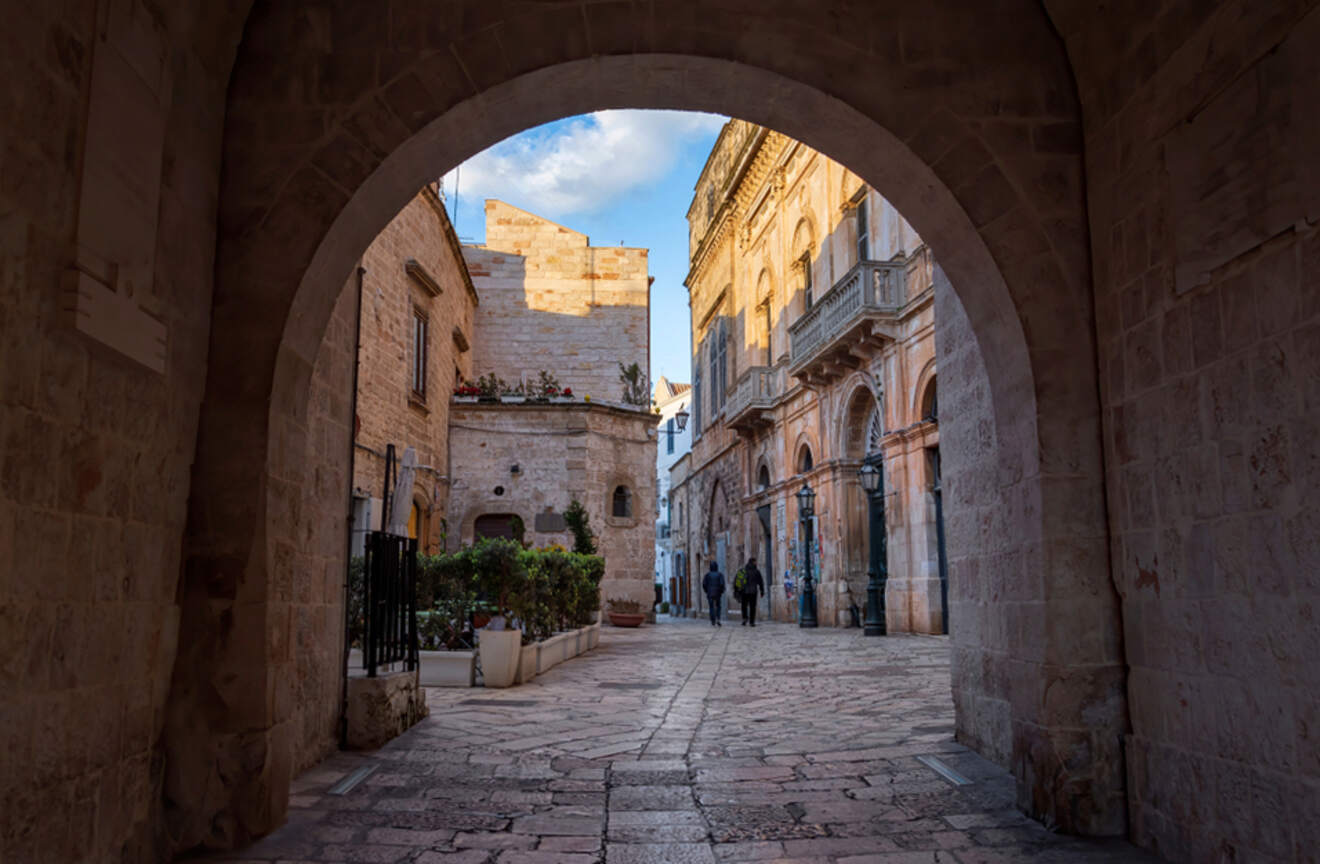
(683, 743)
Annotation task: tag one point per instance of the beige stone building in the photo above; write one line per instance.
(814, 352)
(415, 340)
(551, 301)
(534, 296)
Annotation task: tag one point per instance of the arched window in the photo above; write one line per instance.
(622, 505)
(763, 478)
(805, 462)
(929, 405)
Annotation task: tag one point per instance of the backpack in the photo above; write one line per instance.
(739, 581)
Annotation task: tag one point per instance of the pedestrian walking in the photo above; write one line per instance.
(713, 585)
(753, 585)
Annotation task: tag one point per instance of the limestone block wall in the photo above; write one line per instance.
(562, 452)
(980, 565)
(96, 449)
(388, 411)
(310, 569)
(1208, 322)
(550, 300)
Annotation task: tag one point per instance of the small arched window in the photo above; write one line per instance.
(622, 506)
(805, 462)
(763, 478)
(929, 405)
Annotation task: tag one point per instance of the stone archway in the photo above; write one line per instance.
(312, 177)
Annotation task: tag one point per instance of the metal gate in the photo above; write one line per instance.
(390, 602)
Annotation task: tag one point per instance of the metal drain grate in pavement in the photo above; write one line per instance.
(344, 786)
(944, 771)
(630, 685)
(500, 703)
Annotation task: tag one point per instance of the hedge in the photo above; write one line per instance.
(544, 590)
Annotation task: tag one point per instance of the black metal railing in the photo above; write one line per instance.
(390, 601)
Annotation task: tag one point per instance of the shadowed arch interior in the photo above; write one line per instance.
(320, 198)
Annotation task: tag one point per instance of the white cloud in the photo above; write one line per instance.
(581, 165)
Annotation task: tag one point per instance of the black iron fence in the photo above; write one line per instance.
(390, 608)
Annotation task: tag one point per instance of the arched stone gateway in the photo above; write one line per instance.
(310, 181)
(1060, 158)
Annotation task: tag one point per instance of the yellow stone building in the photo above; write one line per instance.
(813, 353)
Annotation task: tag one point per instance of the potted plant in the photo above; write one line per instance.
(514, 394)
(565, 395)
(467, 392)
(500, 576)
(489, 387)
(625, 613)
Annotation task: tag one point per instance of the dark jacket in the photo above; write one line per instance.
(713, 583)
(753, 581)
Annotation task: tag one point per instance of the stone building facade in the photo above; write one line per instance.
(528, 462)
(416, 335)
(814, 353)
(672, 443)
(550, 300)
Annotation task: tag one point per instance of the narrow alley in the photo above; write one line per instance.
(681, 743)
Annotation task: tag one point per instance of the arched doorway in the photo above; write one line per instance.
(319, 199)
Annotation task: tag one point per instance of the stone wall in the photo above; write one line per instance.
(311, 563)
(1208, 315)
(96, 449)
(550, 300)
(562, 452)
(981, 661)
(413, 258)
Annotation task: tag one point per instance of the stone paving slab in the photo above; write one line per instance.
(775, 745)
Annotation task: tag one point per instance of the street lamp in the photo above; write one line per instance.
(681, 419)
(872, 478)
(806, 500)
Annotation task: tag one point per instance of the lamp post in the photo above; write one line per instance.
(806, 499)
(873, 481)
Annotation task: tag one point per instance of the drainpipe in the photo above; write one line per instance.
(348, 543)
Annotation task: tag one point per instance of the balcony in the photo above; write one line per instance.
(752, 398)
(849, 323)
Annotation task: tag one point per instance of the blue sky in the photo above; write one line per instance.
(618, 177)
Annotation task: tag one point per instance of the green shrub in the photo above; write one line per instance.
(543, 590)
(664, 608)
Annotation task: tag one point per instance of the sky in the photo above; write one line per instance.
(621, 178)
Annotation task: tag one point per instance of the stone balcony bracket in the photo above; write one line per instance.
(849, 324)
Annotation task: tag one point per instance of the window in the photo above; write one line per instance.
(622, 505)
(805, 462)
(696, 394)
(763, 478)
(863, 232)
(769, 336)
(720, 362)
(806, 282)
(669, 435)
(714, 353)
(930, 409)
(419, 354)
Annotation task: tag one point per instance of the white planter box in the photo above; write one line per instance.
(501, 651)
(593, 635)
(447, 668)
(513, 400)
(552, 652)
(466, 400)
(527, 661)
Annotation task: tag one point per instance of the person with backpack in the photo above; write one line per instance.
(713, 585)
(747, 585)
